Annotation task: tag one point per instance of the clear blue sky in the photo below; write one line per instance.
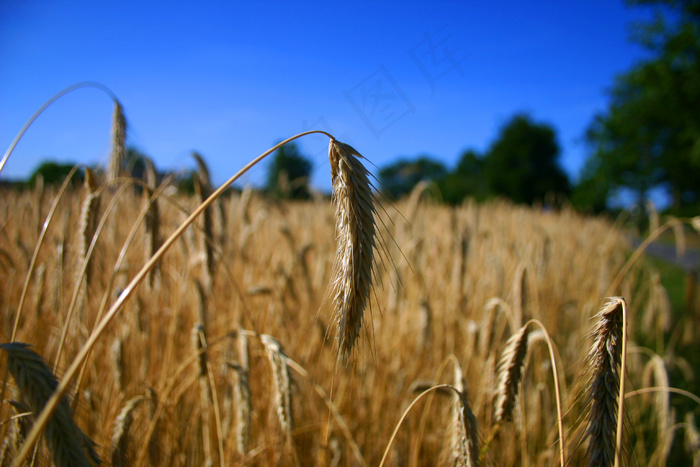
(229, 79)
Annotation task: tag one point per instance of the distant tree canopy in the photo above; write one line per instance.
(467, 180)
(650, 134)
(400, 178)
(521, 164)
(54, 173)
(288, 173)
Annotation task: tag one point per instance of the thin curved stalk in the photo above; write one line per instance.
(560, 424)
(687, 394)
(405, 414)
(54, 98)
(52, 403)
(621, 396)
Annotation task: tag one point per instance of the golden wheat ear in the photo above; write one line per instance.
(605, 362)
(356, 237)
(117, 158)
(68, 444)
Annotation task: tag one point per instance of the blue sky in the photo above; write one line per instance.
(229, 79)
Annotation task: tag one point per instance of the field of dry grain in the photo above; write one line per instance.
(226, 353)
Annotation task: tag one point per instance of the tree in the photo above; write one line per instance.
(650, 134)
(466, 180)
(522, 164)
(54, 173)
(400, 178)
(288, 173)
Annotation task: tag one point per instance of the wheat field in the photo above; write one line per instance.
(227, 352)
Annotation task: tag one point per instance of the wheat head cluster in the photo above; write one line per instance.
(146, 326)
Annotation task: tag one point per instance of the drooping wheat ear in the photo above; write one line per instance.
(510, 369)
(118, 156)
(465, 434)
(120, 433)
(356, 238)
(605, 361)
(68, 444)
(664, 416)
(88, 220)
(282, 387)
(152, 221)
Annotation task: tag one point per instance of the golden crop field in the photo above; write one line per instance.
(226, 353)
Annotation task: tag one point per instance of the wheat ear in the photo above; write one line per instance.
(241, 395)
(605, 358)
(120, 434)
(88, 222)
(68, 444)
(510, 372)
(118, 155)
(282, 384)
(465, 435)
(356, 238)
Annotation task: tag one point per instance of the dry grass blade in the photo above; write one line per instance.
(510, 369)
(605, 361)
(68, 444)
(356, 239)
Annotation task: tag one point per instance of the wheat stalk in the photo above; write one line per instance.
(605, 359)
(356, 239)
(68, 444)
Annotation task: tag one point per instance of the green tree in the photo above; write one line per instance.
(54, 173)
(650, 134)
(522, 164)
(288, 173)
(399, 178)
(466, 180)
